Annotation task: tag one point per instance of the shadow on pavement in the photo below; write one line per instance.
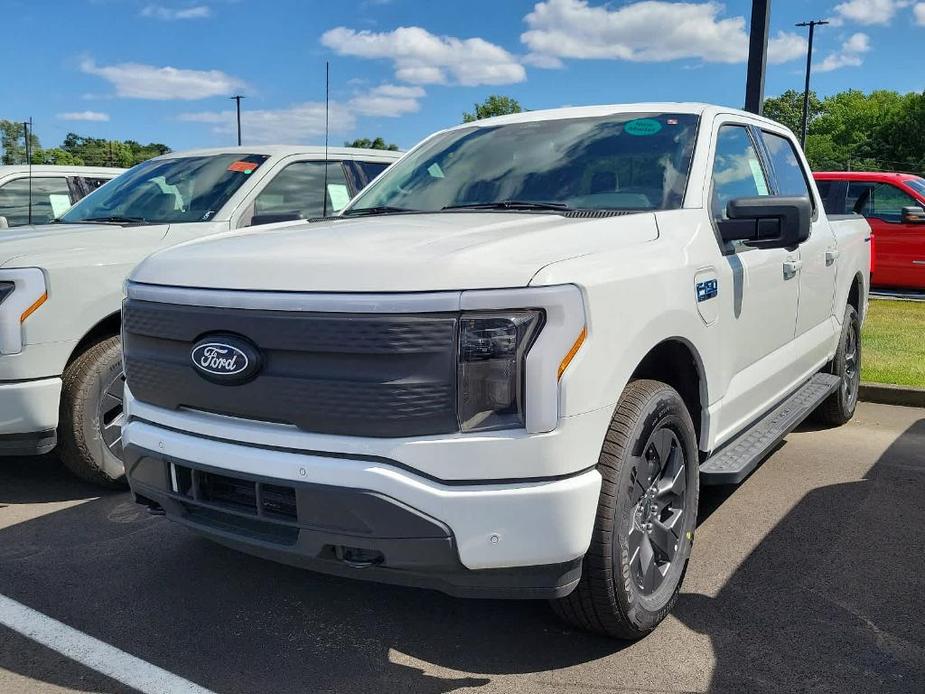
(832, 599)
(829, 601)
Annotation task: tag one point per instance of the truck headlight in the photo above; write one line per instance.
(493, 346)
(22, 293)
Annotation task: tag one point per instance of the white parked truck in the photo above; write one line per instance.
(507, 367)
(61, 284)
(38, 194)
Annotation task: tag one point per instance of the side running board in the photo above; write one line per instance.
(735, 460)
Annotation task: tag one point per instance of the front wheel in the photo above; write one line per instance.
(646, 516)
(839, 407)
(90, 425)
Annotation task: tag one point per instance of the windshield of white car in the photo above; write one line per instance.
(624, 161)
(166, 191)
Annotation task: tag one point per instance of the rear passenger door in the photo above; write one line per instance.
(818, 254)
(300, 190)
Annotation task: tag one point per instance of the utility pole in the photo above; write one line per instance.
(809, 66)
(757, 56)
(237, 100)
(27, 131)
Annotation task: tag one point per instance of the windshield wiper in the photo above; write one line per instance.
(510, 205)
(117, 219)
(381, 209)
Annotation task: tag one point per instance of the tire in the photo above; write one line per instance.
(89, 436)
(614, 597)
(839, 407)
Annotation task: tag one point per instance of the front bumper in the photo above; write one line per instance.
(29, 415)
(511, 539)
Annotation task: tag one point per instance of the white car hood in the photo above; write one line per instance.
(389, 253)
(31, 245)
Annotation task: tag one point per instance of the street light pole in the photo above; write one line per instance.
(809, 66)
(237, 99)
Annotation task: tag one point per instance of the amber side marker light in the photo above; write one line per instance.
(567, 359)
(34, 307)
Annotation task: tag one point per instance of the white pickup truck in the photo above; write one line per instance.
(505, 369)
(61, 284)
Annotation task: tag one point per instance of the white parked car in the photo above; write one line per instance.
(505, 369)
(61, 284)
(51, 189)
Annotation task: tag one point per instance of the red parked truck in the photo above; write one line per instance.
(895, 208)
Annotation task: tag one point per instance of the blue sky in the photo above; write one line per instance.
(161, 70)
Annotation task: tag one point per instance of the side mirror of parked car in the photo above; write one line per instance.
(913, 215)
(275, 218)
(3, 223)
(767, 222)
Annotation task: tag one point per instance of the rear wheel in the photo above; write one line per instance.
(839, 407)
(646, 516)
(90, 425)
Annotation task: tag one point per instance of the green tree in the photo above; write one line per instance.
(787, 109)
(366, 143)
(13, 144)
(56, 155)
(494, 105)
(94, 151)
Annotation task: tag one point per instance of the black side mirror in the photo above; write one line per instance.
(767, 222)
(913, 215)
(274, 218)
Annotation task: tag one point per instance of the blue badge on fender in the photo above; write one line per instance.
(707, 290)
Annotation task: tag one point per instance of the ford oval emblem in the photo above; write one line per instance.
(226, 359)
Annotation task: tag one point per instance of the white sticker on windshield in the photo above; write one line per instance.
(758, 176)
(60, 203)
(435, 171)
(339, 195)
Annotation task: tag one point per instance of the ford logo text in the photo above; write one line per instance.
(225, 359)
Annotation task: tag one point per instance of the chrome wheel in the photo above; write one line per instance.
(659, 488)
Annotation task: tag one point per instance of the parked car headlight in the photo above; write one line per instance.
(493, 346)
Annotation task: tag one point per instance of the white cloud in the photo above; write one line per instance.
(849, 55)
(867, 11)
(137, 81)
(649, 31)
(296, 124)
(388, 100)
(171, 14)
(84, 115)
(420, 57)
(920, 14)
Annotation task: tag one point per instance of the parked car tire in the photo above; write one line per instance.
(646, 515)
(839, 407)
(89, 427)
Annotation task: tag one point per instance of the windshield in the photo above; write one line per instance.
(626, 161)
(917, 184)
(163, 191)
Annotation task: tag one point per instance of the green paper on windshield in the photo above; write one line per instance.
(642, 126)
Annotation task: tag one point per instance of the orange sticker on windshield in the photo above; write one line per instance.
(243, 166)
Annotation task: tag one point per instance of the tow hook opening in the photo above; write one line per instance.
(154, 508)
(357, 557)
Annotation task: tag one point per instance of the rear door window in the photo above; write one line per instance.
(789, 176)
(50, 199)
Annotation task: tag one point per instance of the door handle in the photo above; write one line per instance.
(831, 256)
(791, 267)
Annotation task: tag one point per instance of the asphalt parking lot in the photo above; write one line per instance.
(810, 576)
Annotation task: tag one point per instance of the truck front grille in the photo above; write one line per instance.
(384, 375)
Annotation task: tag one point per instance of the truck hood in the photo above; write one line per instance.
(29, 245)
(390, 253)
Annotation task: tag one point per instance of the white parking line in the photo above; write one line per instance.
(96, 655)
